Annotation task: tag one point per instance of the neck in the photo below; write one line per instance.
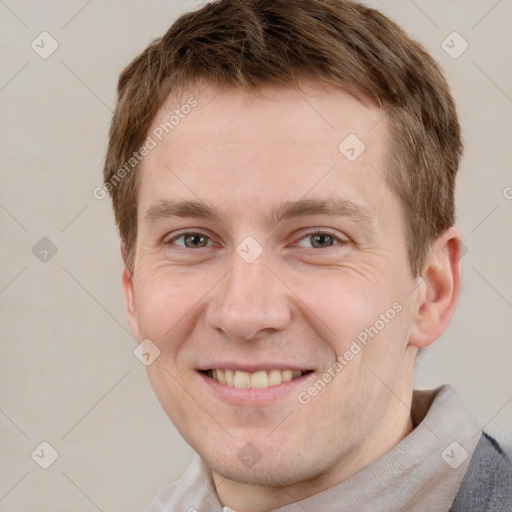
(253, 498)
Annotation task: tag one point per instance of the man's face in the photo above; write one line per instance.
(263, 248)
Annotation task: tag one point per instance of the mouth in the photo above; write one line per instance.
(260, 379)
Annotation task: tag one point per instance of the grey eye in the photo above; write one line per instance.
(318, 240)
(192, 240)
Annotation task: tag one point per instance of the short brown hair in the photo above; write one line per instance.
(255, 43)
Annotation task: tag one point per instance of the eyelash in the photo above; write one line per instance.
(338, 240)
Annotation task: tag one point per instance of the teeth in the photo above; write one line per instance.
(221, 377)
(286, 376)
(274, 377)
(260, 379)
(230, 377)
(242, 380)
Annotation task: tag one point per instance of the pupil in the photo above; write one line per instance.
(321, 240)
(195, 241)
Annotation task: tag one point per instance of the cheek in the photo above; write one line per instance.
(340, 305)
(363, 320)
(166, 303)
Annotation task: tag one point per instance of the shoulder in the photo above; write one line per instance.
(487, 485)
(164, 498)
(192, 492)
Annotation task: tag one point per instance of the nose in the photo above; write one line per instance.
(250, 302)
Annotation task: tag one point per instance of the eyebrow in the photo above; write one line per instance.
(334, 206)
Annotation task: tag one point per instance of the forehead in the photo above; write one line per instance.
(231, 146)
(316, 112)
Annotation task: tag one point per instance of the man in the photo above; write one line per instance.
(282, 174)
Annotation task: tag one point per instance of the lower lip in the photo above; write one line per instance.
(255, 396)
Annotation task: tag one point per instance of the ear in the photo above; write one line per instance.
(439, 290)
(129, 295)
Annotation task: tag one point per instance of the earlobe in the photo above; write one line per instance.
(439, 291)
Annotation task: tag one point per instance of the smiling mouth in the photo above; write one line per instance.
(260, 379)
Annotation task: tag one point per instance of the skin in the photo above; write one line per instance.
(297, 305)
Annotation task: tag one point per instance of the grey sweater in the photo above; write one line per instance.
(487, 485)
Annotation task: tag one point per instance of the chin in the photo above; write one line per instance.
(270, 465)
(264, 473)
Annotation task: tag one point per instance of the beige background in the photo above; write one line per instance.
(68, 373)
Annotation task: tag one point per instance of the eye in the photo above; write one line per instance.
(319, 240)
(191, 241)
